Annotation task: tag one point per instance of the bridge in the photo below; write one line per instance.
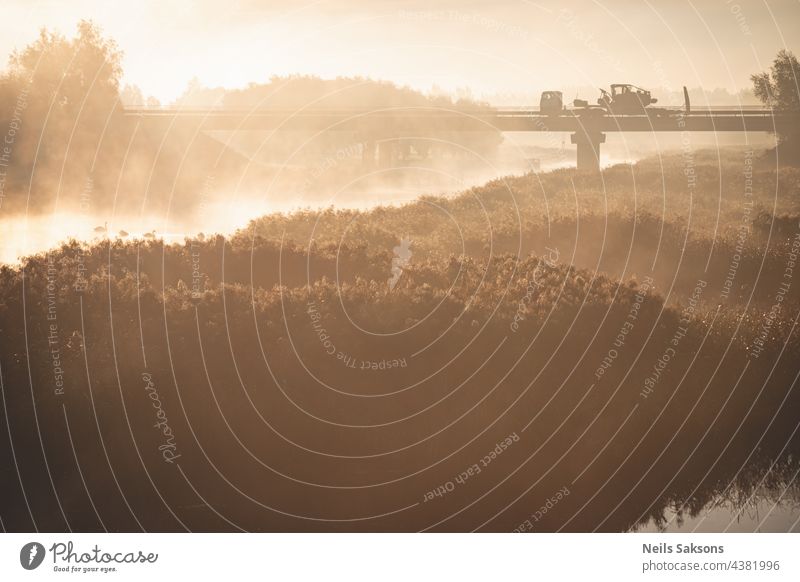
(587, 126)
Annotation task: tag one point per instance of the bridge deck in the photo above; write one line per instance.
(588, 127)
(410, 120)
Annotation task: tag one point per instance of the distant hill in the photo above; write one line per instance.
(298, 91)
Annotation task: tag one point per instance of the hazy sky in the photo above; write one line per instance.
(497, 46)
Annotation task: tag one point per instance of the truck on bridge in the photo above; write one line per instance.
(627, 99)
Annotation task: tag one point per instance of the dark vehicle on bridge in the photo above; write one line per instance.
(551, 103)
(583, 107)
(628, 100)
(625, 99)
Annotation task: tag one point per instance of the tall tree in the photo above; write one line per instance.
(69, 74)
(779, 89)
(62, 95)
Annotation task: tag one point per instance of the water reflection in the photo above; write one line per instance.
(764, 516)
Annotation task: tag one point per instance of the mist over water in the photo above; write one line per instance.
(226, 211)
(24, 235)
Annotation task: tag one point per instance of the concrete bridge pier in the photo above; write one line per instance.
(387, 153)
(381, 153)
(588, 143)
(368, 154)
